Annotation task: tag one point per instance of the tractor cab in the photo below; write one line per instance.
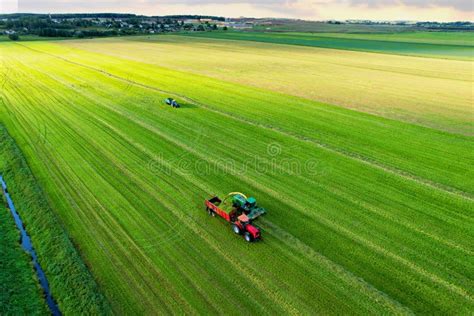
(251, 203)
(243, 226)
(243, 219)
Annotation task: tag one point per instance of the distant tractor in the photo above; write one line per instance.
(240, 211)
(172, 102)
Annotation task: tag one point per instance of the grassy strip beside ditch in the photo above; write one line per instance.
(70, 281)
(19, 289)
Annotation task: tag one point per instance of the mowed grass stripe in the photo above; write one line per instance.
(105, 229)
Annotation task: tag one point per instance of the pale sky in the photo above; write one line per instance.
(441, 10)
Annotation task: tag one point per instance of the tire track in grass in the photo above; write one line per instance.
(408, 225)
(352, 155)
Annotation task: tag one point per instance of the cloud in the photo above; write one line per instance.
(290, 7)
(199, 2)
(463, 5)
(279, 8)
(456, 4)
(442, 10)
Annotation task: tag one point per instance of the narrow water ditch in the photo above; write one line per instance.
(28, 247)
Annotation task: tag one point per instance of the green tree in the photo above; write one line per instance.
(14, 37)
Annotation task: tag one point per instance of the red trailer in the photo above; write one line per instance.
(241, 224)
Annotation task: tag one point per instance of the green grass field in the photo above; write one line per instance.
(430, 92)
(425, 44)
(366, 214)
(313, 26)
(440, 38)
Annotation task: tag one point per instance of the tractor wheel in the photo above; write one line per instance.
(236, 229)
(211, 212)
(248, 237)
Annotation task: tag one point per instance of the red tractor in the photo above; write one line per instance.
(240, 213)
